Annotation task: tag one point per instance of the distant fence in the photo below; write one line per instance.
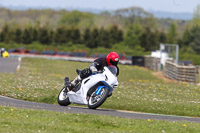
(172, 70)
(152, 63)
(181, 73)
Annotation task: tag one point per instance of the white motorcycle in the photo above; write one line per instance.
(91, 91)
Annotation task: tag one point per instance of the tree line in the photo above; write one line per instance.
(91, 37)
(136, 36)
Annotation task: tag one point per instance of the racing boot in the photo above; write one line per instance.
(67, 84)
(74, 83)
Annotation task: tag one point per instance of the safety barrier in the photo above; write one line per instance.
(181, 73)
(152, 63)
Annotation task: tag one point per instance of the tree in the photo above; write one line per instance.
(44, 36)
(172, 33)
(132, 38)
(35, 34)
(149, 22)
(76, 36)
(149, 39)
(132, 14)
(26, 36)
(51, 36)
(162, 37)
(94, 42)
(18, 35)
(116, 35)
(187, 38)
(60, 35)
(68, 34)
(120, 37)
(104, 38)
(86, 36)
(154, 40)
(191, 38)
(74, 18)
(5, 34)
(196, 16)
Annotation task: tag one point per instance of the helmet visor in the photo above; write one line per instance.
(113, 62)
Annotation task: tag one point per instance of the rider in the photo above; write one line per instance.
(111, 59)
(3, 53)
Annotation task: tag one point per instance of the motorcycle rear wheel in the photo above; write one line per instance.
(63, 99)
(97, 100)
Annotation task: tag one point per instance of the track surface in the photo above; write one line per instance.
(5, 101)
(10, 65)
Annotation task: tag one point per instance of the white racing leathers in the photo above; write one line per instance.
(107, 76)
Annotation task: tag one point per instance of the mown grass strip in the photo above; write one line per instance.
(26, 121)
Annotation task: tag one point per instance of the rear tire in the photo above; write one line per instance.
(63, 99)
(97, 100)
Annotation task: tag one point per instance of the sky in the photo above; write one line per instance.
(156, 5)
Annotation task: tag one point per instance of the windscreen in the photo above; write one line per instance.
(113, 69)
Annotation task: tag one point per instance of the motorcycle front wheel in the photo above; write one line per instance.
(97, 100)
(63, 99)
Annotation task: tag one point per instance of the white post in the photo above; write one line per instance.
(161, 48)
(177, 50)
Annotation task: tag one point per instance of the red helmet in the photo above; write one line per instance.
(112, 58)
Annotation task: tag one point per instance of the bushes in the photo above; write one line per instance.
(192, 57)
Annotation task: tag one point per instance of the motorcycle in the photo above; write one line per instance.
(91, 91)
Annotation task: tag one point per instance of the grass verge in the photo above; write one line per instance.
(37, 121)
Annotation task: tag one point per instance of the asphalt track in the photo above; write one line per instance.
(6, 101)
(9, 65)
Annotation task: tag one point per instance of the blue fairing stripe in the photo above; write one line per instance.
(99, 89)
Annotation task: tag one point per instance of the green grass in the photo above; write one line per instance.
(40, 80)
(37, 121)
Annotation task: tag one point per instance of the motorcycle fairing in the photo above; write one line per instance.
(100, 85)
(79, 97)
(101, 79)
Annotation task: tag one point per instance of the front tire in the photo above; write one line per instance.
(63, 99)
(97, 100)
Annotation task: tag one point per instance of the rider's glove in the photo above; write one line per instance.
(93, 69)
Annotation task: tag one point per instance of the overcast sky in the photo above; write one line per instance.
(156, 5)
